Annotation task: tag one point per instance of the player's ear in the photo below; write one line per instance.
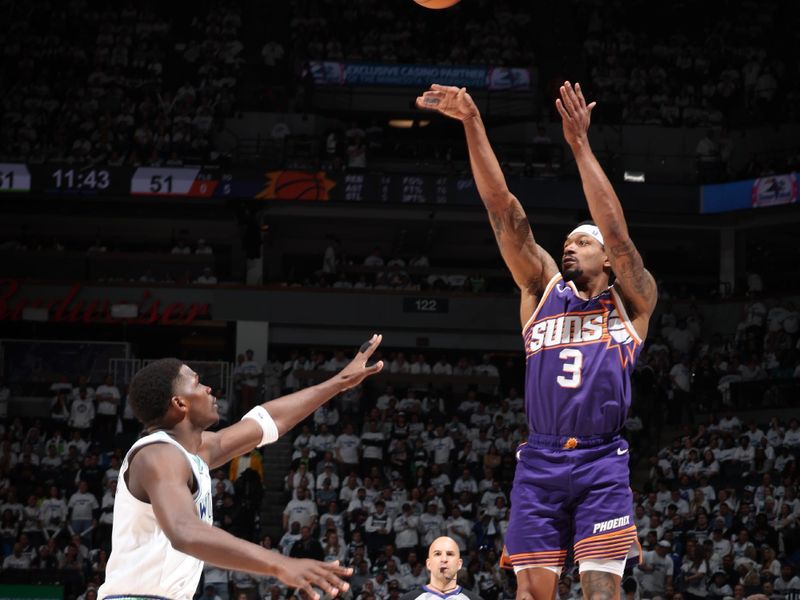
(460, 563)
(180, 403)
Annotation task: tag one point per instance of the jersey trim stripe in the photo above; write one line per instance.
(546, 291)
(623, 314)
(613, 545)
(603, 536)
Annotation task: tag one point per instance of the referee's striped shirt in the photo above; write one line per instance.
(426, 593)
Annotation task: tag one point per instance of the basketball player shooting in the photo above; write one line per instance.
(162, 532)
(582, 337)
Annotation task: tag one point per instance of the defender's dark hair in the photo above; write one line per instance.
(152, 388)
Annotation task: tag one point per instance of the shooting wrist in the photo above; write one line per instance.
(580, 146)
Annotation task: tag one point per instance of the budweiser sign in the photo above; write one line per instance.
(70, 309)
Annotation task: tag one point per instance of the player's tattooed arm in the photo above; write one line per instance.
(529, 264)
(635, 283)
(638, 285)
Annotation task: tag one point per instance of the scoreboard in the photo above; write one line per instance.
(119, 181)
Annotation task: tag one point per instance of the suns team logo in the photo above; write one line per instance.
(617, 329)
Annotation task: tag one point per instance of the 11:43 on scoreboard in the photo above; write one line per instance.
(141, 181)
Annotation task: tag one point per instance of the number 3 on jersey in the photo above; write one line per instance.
(573, 361)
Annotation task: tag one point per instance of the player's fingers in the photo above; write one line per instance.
(376, 368)
(330, 582)
(562, 111)
(568, 96)
(563, 101)
(443, 88)
(591, 106)
(340, 571)
(579, 93)
(368, 347)
(309, 591)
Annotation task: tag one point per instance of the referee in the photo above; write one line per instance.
(444, 562)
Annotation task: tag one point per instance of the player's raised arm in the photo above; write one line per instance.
(528, 262)
(635, 283)
(283, 413)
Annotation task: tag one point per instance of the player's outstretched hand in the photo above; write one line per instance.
(576, 115)
(306, 574)
(448, 100)
(357, 371)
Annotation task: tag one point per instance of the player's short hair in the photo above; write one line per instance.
(152, 388)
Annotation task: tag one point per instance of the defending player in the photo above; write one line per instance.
(582, 337)
(162, 531)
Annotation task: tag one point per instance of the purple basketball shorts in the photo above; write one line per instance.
(570, 492)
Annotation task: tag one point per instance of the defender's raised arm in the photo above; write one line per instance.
(530, 265)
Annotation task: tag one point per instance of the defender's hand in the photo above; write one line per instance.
(575, 114)
(450, 101)
(357, 371)
(305, 574)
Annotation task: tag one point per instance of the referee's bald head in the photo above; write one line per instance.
(444, 561)
(444, 544)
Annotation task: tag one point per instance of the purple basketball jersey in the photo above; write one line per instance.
(579, 358)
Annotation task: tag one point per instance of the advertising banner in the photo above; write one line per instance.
(408, 75)
(773, 190)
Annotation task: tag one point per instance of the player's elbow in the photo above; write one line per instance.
(184, 537)
(498, 198)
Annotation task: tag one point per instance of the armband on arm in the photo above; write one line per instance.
(260, 415)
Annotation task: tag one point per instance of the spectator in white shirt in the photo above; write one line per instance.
(791, 438)
(82, 505)
(250, 372)
(374, 259)
(730, 423)
(442, 367)
(441, 446)
(459, 529)
(323, 441)
(207, 277)
(787, 582)
(405, 528)
(655, 571)
(745, 454)
(466, 483)
(469, 405)
(81, 413)
(203, 248)
(108, 397)
(17, 560)
(419, 366)
(431, 524)
(301, 509)
(346, 448)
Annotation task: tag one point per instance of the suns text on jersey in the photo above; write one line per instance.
(564, 330)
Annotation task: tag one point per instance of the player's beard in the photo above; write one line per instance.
(572, 274)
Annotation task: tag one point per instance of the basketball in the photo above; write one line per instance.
(437, 4)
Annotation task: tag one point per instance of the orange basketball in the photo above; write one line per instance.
(437, 3)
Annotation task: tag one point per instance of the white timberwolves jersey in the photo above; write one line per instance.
(142, 561)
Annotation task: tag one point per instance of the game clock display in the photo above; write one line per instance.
(68, 179)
